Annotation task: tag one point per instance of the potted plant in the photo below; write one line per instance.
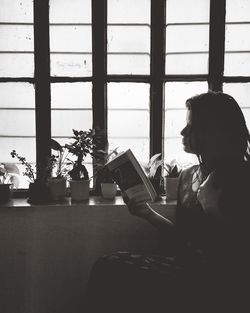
(9, 178)
(38, 190)
(173, 171)
(153, 170)
(108, 186)
(57, 183)
(80, 148)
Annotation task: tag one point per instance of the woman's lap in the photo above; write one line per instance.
(127, 281)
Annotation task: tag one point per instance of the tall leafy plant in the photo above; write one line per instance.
(82, 146)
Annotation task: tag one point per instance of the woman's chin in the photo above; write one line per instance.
(187, 149)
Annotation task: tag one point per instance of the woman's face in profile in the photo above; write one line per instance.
(188, 140)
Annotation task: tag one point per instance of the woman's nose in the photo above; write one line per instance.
(183, 131)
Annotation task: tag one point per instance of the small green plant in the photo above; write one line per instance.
(58, 160)
(82, 146)
(173, 169)
(9, 174)
(29, 171)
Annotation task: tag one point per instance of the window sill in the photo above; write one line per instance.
(93, 201)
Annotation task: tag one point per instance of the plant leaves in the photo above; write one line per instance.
(153, 159)
(15, 181)
(154, 167)
(55, 145)
(11, 168)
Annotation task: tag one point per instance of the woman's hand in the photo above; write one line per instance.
(137, 208)
(209, 195)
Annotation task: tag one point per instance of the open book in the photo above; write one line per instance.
(130, 177)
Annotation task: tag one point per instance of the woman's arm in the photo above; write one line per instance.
(144, 210)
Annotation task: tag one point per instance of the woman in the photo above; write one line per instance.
(211, 233)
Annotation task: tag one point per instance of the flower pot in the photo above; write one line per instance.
(38, 193)
(4, 193)
(171, 187)
(79, 190)
(108, 190)
(57, 188)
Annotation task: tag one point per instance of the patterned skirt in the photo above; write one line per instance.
(129, 282)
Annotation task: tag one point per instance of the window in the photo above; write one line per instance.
(186, 57)
(17, 93)
(237, 54)
(124, 66)
(70, 34)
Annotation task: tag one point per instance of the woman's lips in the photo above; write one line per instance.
(184, 142)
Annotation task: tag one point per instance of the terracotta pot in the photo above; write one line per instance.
(79, 189)
(108, 190)
(4, 193)
(171, 186)
(57, 188)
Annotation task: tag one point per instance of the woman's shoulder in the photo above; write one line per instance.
(189, 171)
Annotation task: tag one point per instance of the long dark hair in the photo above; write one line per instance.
(221, 112)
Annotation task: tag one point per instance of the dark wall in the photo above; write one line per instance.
(46, 252)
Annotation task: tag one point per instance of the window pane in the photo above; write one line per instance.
(23, 146)
(128, 37)
(240, 91)
(237, 64)
(63, 121)
(71, 95)
(16, 65)
(237, 46)
(71, 108)
(16, 38)
(17, 95)
(187, 37)
(176, 94)
(191, 11)
(16, 11)
(127, 46)
(70, 11)
(128, 64)
(17, 122)
(76, 44)
(71, 64)
(17, 127)
(237, 11)
(17, 106)
(70, 38)
(189, 63)
(128, 96)
(183, 45)
(128, 11)
(190, 38)
(237, 37)
(128, 118)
